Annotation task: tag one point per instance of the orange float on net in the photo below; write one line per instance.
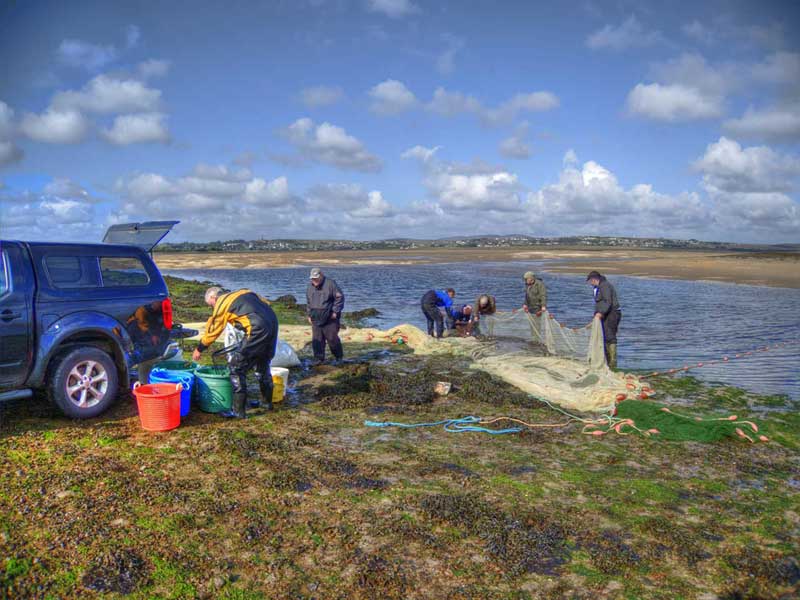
(643, 396)
(763, 438)
(621, 397)
(630, 386)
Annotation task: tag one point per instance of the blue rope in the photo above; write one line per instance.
(462, 425)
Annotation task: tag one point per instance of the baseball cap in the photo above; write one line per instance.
(593, 275)
(316, 273)
(529, 275)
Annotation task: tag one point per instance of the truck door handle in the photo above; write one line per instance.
(8, 316)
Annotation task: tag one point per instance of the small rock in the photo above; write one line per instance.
(64, 494)
(119, 523)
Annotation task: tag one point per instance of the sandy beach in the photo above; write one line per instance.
(766, 268)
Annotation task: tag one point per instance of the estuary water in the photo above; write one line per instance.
(666, 324)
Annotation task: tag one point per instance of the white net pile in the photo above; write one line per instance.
(569, 369)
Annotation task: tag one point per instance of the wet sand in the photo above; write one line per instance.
(777, 269)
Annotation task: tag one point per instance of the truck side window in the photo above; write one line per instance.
(123, 271)
(72, 271)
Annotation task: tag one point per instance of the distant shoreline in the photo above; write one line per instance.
(773, 269)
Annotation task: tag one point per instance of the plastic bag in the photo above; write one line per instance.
(285, 356)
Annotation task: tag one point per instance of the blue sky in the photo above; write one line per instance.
(381, 118)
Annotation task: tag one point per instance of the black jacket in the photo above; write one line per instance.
(605, 297)
(324, 300)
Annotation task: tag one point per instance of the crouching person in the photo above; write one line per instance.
(248, 312)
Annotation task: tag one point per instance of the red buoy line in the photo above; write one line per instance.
(723, 359)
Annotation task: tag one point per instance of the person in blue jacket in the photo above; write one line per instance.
(432, 302)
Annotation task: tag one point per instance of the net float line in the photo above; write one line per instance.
(723, 359)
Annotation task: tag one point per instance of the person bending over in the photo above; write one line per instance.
(432, 303)
(249, 313)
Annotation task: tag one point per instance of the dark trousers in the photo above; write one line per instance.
(610, 326)
(320, 334)
(432, 314)
(253, 357)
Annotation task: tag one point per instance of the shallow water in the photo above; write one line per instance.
(666, 323)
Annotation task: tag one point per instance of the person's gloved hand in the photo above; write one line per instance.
(196, 355)
(525, 307)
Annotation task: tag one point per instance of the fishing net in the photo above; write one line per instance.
(562, 365)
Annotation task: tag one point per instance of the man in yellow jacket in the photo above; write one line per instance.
(247, 312)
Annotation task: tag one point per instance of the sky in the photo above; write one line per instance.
(371, 119)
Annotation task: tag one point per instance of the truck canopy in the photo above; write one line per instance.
(145, 235)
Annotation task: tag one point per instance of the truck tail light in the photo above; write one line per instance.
(166, 312)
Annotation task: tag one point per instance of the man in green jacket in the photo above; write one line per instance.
(535, 294)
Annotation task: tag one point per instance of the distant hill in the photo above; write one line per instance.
(484, 241)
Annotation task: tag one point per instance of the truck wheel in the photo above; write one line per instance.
(84, 382)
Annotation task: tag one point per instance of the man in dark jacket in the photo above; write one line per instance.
(535, 294)
(324, 306)
(247, 312)
(431, 303)
(606, 308)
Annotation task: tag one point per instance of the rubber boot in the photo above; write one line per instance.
(611, 355)
(237, 406)
(266, 395)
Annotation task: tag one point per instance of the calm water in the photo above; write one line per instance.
(665, 324)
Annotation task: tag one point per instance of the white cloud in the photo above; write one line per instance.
(672, 103)
(55, 126)
(776, 123)
(138, 129)
(149, 185)
(267, 193)
(474, 186)
(105, 94)
(375, 208)
(63, 188)
(449, 104)
(321, 95)
(779, 68)
(391, 97)
(699, 32)
(77, 53)
(570, 158)
(445, 62)
(420, 153)
(132, 36)
(10, 153)
(153, 68)
(517, 145)
(330, 145)
(727, 167)
(392, 8)
(530, 102)
(628, 34)
(208, 188)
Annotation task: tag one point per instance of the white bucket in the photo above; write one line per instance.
(283, 373)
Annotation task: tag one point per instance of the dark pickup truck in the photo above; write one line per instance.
(75, 319)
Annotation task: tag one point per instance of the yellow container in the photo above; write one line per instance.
(278, 389)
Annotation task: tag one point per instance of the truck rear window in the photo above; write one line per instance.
(72, 271)
(123, 271)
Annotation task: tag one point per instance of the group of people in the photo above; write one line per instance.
(250, 313)
(438, 304)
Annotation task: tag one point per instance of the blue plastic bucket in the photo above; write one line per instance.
(185, 378)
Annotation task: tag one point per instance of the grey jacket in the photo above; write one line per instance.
(324, 300)
(535, 295)
(605, 298)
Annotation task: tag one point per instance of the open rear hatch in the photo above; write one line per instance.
(144, 235)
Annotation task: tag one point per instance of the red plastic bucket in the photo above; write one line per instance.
(159, 405)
